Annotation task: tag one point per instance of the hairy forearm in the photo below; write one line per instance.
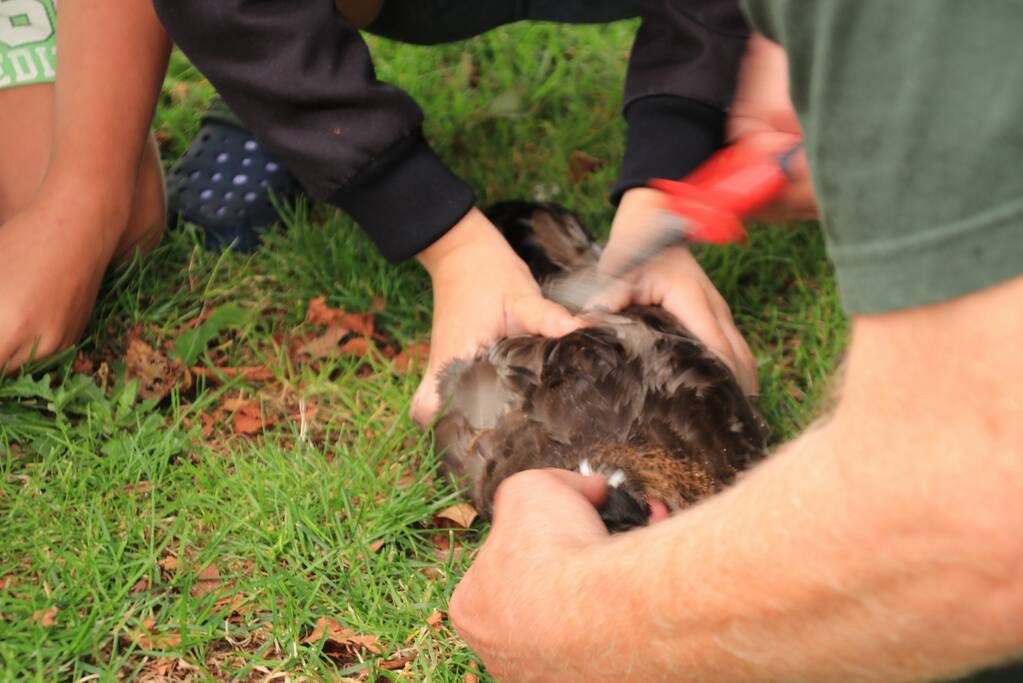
(882, 546)
(112, 55)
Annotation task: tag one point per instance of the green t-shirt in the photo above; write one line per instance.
(913, 116)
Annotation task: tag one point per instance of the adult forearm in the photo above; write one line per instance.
(112, 55)
(882, 546)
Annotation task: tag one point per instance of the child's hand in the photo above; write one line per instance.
(49, 276)
(53, 255)
(675, 281)
(482, 292)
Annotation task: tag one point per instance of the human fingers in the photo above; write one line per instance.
(533, 314)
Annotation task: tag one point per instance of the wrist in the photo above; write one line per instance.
(472, 233)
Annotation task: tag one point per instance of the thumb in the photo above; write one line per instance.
(592, 488)
(550, 485)
(537, 315)
(426, 401)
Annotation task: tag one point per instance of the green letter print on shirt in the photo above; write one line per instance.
(27, 42)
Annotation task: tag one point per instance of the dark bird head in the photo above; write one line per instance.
(622, 511)
(625, 507)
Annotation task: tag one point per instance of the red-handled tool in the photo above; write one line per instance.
(707, 206)
(713, 199)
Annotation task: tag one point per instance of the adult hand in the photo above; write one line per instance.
(522, 606)
(482, 292)
(673, 280)
(762, 116)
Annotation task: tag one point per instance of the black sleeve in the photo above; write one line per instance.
(681, 80)
(301, 79)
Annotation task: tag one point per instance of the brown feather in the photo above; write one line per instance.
(635, 392)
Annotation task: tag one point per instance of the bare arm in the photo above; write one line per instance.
(882, 546)
(112, 56)
(112, 59)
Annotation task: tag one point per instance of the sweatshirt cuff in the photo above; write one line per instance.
(669, 136)
(406, 200)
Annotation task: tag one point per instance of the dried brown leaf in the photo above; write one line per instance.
(581, 165)
(375, 546)
(168, 563)
(83, 365)
(244, 424)
(233, 603)
(325, 344)
(435, 619)
(207, 581)
(332, 628)
(157, 374)
(319, 313)
(341, 641)
(250, 373)
(207, 425)
(148, 639)
(45, 618)
(411, 357)
(460, 516)
(359, 346)
(397, 662)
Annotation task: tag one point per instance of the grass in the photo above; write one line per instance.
(171, 550)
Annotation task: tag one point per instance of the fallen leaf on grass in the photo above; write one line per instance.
(44, 618)
(83, 365)
(157, 375)
(147, 639)
(459, 516)
(359, 346)
(6, 581)
(341, 641)
(415, 355)
(397, 662)
(375, 546)
(319, 313)
(248, 417)
(581, 165)
(168, 563)
(435, 619)
(207, 425)
(233, 603)
(139, 488)
(323, 345)
(250, 373)
(246, 424)
(140, 586)
(207, 582)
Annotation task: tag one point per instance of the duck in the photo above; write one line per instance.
(634, 396)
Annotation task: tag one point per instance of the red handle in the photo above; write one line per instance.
(727, 187)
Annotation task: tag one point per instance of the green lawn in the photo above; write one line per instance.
(143, 537)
